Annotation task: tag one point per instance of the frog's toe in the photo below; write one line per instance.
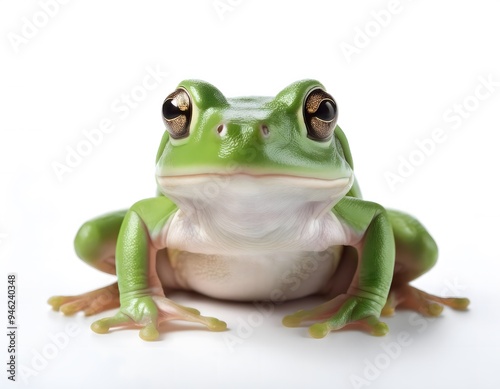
(194, 311)
(100, 326)
(319, 330)
(409, 297)
(68, 305)
(90, 303)
(370, 324)
(168, 310)
(120, 320)
(374, 326)
(57, 301)
(457, 303)
(149, 332)
(344, 311)
(295, 319)
(390, 305)
(320, 312)
(73, 306)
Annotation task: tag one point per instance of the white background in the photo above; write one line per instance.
(426, 60)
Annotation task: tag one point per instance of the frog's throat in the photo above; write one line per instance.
(243, 193)
(254, 179)
(238, 214)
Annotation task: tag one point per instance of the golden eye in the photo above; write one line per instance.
(177, 112)
(320, 115)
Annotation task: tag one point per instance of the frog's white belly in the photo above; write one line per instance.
(254, 236)
(273, 276)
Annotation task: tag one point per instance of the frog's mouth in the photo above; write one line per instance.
(254, 190)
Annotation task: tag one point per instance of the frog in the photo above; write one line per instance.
(256, 200)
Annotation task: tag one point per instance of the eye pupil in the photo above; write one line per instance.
(326, 111)
(170, 109)
(176, 112)
(320, 115)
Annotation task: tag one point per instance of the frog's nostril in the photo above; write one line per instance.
(264, 130)
(221, 130)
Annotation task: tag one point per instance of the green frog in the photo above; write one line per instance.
(256, 200)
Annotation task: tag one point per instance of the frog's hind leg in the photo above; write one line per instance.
(95, 244)
(90, 303)
(416, 253)
(95, 241)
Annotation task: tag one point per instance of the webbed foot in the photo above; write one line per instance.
(90, 303)
(409, 297)
(341, 312)
(148, 312)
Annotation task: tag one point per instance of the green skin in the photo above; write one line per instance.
(366, 283)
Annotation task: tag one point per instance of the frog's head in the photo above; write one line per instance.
(291, 138)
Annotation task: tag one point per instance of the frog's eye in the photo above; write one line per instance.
(320, 115)
(177, 113)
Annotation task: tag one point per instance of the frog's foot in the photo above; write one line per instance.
(149, 312)
(408, 297)
(344, 311)
(90, 303)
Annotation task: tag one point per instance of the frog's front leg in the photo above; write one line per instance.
(142, 300)
(368, 230)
